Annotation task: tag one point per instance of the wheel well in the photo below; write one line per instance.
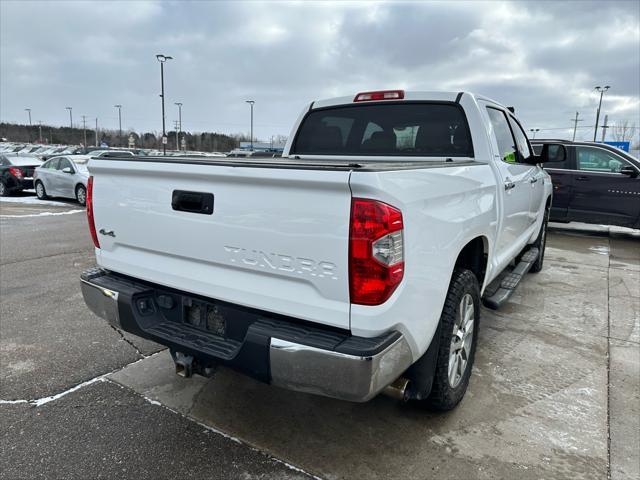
(78, 186)
(474, 256)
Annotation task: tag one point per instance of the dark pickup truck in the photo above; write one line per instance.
(16, 172)
(596, 183)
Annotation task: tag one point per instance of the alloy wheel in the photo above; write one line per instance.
(461, 340)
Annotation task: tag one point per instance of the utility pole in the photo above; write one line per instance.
(96, 131)
(605, 126)
(84, 129)
(601, 90)
(251, 102)
(119, 107)
(575, 126)
(179, 104)
(162, 59)
(40, 129)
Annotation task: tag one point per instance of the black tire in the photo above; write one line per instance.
(541, 243)
(444, 396)
(41, 193)
(81, 195)
(4, 191)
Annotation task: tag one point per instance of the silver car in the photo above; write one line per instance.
(63, 176)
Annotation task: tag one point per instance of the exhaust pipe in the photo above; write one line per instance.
(398, 390)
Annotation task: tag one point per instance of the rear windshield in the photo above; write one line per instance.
(25, 161)
(393, 129)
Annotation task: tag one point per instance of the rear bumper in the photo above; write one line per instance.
(278, 350)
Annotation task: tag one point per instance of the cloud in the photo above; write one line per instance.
(544, 58)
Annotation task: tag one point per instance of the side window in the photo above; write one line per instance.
(521, 138)
(504, 137)
(64, 163)
(591, 159)
(53, 164)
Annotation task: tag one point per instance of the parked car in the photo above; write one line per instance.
(353, 265)
(596, 183)
(111, 153)
(16, 172)
(63, 176)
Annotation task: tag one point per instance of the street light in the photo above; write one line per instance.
(179, 104)
(251, 102)
(534, 131)
(70, 123)
(601, 90)
(163, 58)
(28, 110)
(119, 107)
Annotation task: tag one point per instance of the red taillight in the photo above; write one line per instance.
(92, 224)
(376, 256)
(16, 172)
(380, 95)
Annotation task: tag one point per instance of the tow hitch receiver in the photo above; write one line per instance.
(184, 364)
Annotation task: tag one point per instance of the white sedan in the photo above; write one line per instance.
(63, 176)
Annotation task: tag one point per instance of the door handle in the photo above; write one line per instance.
(533, 179)
(582, 178)
(509, 185)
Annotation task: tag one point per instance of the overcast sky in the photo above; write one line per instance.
(542, 57)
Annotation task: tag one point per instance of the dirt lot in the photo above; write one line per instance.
(555, 391)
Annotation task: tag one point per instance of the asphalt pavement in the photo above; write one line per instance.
(555, 391)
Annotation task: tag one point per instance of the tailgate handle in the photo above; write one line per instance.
(192, 202)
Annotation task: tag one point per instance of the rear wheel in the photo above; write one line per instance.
(81, 195)
(4, 191)
(41, 193)
(540, 244)
(458, 339)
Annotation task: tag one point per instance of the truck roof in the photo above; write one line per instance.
(438, 96)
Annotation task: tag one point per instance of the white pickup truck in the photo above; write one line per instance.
(353, 265)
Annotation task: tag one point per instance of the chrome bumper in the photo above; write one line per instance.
(101, 301)
(296, 366)
(337, 375)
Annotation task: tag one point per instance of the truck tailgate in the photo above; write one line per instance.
(276, 239)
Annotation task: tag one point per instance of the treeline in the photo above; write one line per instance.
(201, 141)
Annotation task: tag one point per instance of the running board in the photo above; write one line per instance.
(509, 283)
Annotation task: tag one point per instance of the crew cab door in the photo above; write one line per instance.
(516, 184)
(601, 194)
(536, 174)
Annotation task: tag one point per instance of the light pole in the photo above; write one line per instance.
(84, 132)
(179, 104)
(163, 58)
(70, 123)
(28, 110)
(533, 132)
(40, 129)
(251, 102)
(601, 90)
(119, 107)
(575, 125)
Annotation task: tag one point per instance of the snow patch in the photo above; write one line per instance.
(42, 214)
(31, 201)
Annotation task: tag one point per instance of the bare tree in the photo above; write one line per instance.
(622, 131)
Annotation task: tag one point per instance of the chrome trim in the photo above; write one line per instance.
(101, 301)
(337, 375)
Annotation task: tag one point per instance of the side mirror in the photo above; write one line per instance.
(551, 152)
(67, 170)
(629, 170)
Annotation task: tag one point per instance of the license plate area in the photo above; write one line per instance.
(204, 316)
